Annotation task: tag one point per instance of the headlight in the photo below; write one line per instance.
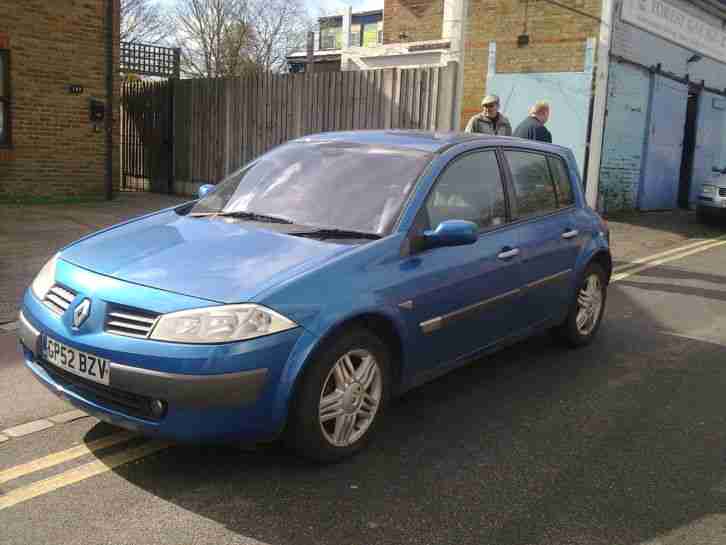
(708, 189)
(45, 279)
(220, 324)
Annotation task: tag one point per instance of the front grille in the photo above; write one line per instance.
(722, 191)
(58, 299)
(129, 322)
(122, 401)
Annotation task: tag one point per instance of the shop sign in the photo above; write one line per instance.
(674, 24)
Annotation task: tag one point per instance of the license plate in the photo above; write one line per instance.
(74, 361)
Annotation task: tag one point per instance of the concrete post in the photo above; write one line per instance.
(454, 30)
(347, 18)
(600, 104)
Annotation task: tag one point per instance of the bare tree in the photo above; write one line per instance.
(214, 37)
(278, 27)
(143, 21)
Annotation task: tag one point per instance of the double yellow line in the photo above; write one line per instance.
(655, 260)
(101, 465)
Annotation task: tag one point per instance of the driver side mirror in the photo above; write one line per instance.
(452, 233)
(205, 190)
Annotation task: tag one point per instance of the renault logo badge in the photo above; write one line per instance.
(83, 310)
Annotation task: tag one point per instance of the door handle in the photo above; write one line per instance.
(506, 254)
(570, 234)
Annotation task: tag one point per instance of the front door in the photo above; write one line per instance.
(463, 298)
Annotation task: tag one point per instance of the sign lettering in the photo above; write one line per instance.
(665, 20)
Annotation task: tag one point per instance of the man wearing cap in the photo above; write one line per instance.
(490, 121)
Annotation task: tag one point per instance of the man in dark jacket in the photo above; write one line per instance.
(533, 128)
(490, 121)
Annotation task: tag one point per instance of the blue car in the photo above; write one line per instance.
(296, 298)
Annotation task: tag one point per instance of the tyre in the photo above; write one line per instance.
(586, 311)
(340, 400)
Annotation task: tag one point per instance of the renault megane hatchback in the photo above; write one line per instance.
(307, 289)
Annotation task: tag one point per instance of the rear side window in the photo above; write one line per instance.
(533, 187)
(563, 184)
(469, 189)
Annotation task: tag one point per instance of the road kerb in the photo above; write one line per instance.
(27, 429)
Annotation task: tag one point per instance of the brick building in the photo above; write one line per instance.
(54, 72)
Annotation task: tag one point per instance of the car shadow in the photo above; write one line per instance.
(618, 442)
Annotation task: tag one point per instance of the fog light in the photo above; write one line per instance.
(158, 408)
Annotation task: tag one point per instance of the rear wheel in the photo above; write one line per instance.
(585, 316)
(341, 398)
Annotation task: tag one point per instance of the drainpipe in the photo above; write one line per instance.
(454, 30)
(600, 105)
(108, 119)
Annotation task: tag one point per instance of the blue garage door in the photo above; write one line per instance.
(659, 183)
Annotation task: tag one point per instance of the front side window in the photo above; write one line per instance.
(533, 187)
(469, 189)
(4, 97)
(331, 185)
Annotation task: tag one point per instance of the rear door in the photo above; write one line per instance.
(461, 298)
(550, 229)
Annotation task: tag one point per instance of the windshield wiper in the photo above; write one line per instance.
(336, 233)
(243, 215)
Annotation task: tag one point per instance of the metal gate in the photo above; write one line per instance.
(147, 118)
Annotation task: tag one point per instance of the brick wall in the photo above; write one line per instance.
(55, 150)
(557, 40)
(622, 151)
(419, 19)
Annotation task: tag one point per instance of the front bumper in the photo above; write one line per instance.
(712, 202)
(235, 405)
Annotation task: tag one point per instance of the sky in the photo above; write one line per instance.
(336, 6)
(327, 7)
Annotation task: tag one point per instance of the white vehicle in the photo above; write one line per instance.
(712, 198)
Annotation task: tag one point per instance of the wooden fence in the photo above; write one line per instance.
(178, 134)
(221, 124)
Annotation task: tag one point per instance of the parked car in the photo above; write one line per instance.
(712, 199)
(310, 287)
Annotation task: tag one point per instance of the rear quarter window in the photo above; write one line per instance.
(563, 183)
(533, 187)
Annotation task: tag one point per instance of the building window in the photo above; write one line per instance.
(370, 34)
(4, 97)
(330, 38)
(355, 35)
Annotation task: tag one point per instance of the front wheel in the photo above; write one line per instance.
(341, 398)
(586, 311)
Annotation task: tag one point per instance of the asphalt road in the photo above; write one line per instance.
(618, 443)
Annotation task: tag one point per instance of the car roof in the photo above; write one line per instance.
(428, 141)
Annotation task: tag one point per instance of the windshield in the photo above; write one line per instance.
(339, 185)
